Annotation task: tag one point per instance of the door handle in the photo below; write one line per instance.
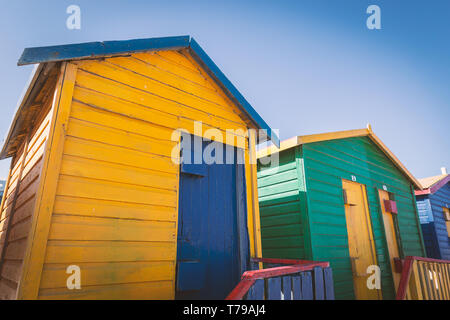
(352, 260)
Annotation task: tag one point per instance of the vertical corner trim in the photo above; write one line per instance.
(34, 258)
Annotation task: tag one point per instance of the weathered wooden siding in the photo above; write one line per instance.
(282, 216)
(115, 210)
(427, 224)
(439, 200)
(434, 227)
(326, 164)
(18, 203)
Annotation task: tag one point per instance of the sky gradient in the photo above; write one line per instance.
(306, 66)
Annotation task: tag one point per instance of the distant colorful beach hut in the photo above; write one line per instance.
(341, 197)
(98, 183)
(2, 187)
(433, 203)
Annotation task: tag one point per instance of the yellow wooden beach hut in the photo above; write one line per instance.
(95, 207)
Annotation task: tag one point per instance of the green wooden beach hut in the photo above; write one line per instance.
(345, 198)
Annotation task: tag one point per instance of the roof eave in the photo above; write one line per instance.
(47, 55)
(422, 192)
(300, 140)
(435, 187)
(97, 50)
(35, 74)
(395, 160)
(213, 70)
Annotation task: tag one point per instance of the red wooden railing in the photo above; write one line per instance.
(287, 278)
(424, 279)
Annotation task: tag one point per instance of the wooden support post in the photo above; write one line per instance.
(319, 288)
(307, 286)
(254, 194)
(423, 280)
(404, 280)
(274, 288)
(416, 290)
(13, 204)
(40, 226)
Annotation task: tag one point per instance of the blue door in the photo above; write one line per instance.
(212, 249)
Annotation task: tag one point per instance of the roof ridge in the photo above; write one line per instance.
(50, 55)
(337, 135)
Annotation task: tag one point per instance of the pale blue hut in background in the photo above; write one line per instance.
(2, 187)
(433, 203)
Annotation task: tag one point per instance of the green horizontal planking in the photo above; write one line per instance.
(278, 198)
(276, 178)
(327, 163)
(303, 214)
(280, 210)
(281, 219)
(283, 242)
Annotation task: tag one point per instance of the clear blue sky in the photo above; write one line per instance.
(306, 66)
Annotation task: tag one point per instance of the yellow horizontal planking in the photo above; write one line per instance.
(99, 151)
(179, 58)
(16, 249)
(20, 230)
(33, 172)
(37, 240)
(26, 194)
(10, 198)
(32, 169)
(15, 175)
(55, 276)
(122, 122)
(7, 290)
(5, 212)
(144, 84)
(100, 189)
(161, 290)
(186, 54)
(17, 162)
(170, 66)
(107, 110)
(11, 270)
(95, 169)
(3, 225)
(60, 251)
(126, 108)
(69, 227)
(113, 209)
(161, 143)
(40, 133)
(127, 94)
(170, 79)
(24, 211)
(37, 150)
(110, 136)
(10, 192)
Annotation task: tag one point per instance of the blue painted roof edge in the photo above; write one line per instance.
(111, 48)
(98, 49)
(233, 91)
(23, 97)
